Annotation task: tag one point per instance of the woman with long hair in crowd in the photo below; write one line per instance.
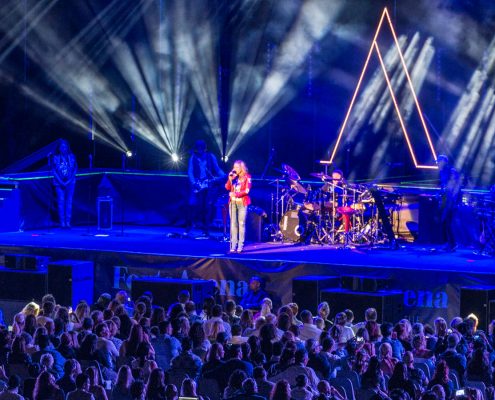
(18, 353)
(201, 344)
(213, 359)
(155, 389)
(130, 346)
(122, 387)
(188, 389)
(95, 387)
(239, 186)
(441, 377)
(281, 391)
(46, 389)
(400, 380)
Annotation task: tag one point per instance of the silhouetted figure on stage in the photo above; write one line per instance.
(450, 186)
(203, 172)
(64, 167)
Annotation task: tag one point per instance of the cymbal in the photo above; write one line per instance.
(298, 187)
(321, 175)
(291, 172)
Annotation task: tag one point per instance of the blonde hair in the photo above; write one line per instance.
(242, 164)
(31, 309)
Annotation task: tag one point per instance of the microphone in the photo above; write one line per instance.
(232, 173)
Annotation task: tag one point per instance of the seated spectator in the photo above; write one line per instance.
(454, 360)
(82, 389)
(373, 377)
(397, 347)
(256, 356)
(237, 337)
(281, 391)
(157, 316)
(66, 346)
(403, 333)
(400, 380)
(327, 392)
(213, 359)
(201, 344)
(419, 347)
(166, 346)
(188, 389)
(416, 375)
(186, 362)
(46, 364)
(440, 336)
(308, 329)
(247, 323)
(441, 377)
(11, 392)
(370, 314)
(171, 392)
(46, 347)
(234, 386)
(324, 312)
(265, 387)
(234, 362)
(18, 353)
(216, 316)
(68, 382)
(121, 389)
(387, 362)
(479, 368)
(95, 386)
(108, 351)
(297, 368)
(46, 389)
(155, 389)
(302, 390)
(347, 332)
(137, 390)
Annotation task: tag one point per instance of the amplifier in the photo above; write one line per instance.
(26, 262)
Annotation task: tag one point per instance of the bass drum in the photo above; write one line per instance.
(293, 225)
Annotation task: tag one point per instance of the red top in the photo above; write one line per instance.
(241, 187)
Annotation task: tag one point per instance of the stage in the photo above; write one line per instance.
(429, 279)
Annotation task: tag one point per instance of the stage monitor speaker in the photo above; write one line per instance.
(254, 224)
(306, 290)
(26, 261)
(166, 290)
(71, 281)
(22, 285)
(388, 303)
(365, 283)
(478, 301)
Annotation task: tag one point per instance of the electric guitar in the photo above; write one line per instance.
(203, 184)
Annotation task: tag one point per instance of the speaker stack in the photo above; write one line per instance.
(355, 292)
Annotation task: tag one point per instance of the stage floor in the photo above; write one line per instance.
(169, 242)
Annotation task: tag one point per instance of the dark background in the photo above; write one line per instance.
(301, 129)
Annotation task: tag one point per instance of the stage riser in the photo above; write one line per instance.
(423, 291)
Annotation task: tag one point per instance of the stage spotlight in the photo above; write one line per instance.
(128, 154)
(175, 157)
(225, 158)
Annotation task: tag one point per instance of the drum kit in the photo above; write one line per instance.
(335, 212)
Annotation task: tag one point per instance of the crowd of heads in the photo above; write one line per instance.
(115, 349)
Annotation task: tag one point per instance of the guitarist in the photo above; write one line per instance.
(203, 172)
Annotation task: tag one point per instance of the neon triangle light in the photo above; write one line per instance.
(375, 47)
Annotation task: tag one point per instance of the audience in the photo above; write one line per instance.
(140, 351)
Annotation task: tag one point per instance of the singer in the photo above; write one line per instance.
(239, 185)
